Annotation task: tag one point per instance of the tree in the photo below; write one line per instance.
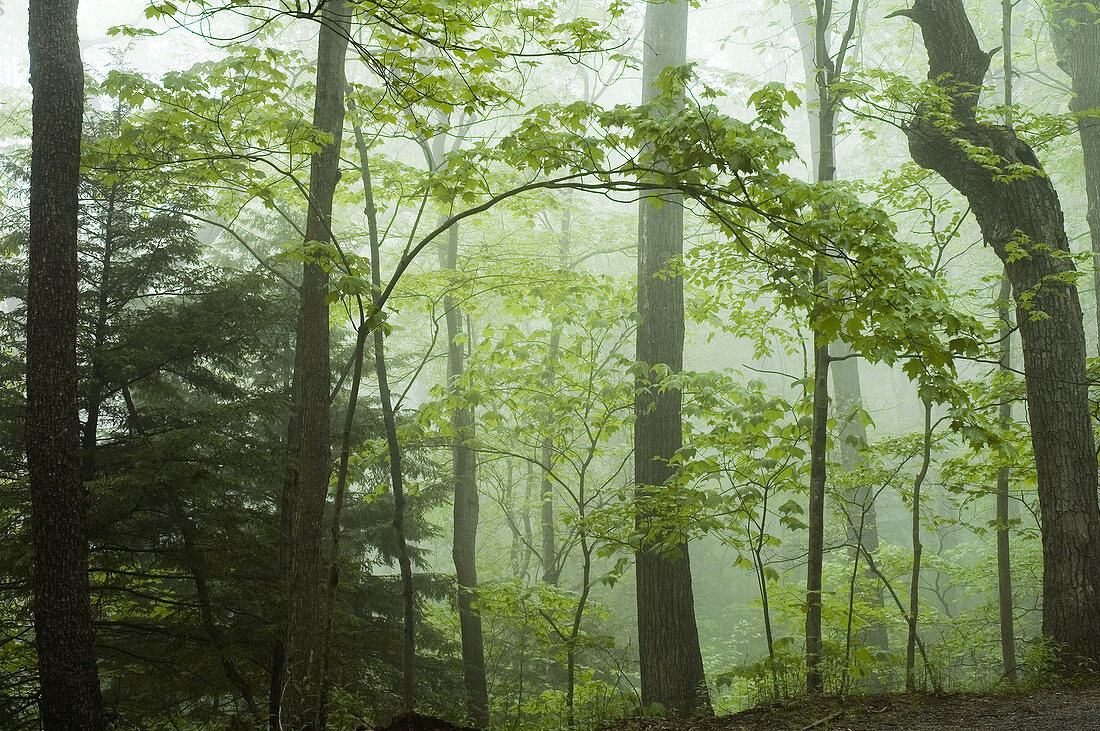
(70, 693)
(464, 472)
(1005, 609)
(1075, 30)
(301, 706)
(825, 69)
(1018, 212)
(670, 660)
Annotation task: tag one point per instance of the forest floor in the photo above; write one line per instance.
(1048, 709)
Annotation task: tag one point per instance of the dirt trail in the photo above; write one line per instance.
(1052, 709)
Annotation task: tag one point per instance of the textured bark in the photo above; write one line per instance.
(70, 697)
(1021, 220)
(1075, 30)
(301, 700)
(668, 640)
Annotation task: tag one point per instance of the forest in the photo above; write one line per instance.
(546, 364)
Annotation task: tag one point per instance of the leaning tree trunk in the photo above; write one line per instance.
(301, 706)
(69, 684)
(668, 640)
(1018, 211)
(1075, 30)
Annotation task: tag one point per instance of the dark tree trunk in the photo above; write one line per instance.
(301, 703)
(98, 385)
(336, 527)
(1075, 29)
(1004, 566)
(286, 515)
(668, 640)
(815, 515)
(393, 444)
(825, 68)
(1004, 474)
(194, 558)
(464, 548)
(914, 575)
(70, 696)
(1021, 219)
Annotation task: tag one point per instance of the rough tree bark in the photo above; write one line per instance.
(1075, 30)
(70, 697)
(1021, 220)
(300, 704)
(668, 640)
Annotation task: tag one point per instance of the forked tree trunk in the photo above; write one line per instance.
(1021, 220)
(668, 640)
(69, 697)
(301, 706)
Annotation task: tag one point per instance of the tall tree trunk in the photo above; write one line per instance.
(815, 515)
(98, 386)
(914, 576)
(1075, 30)
(551, 568)
(301, 701)
(1004, 565)
(335, 529)
(286, 515)
(825, 68)
(464, 463)
(393, 444)
(1021, 220)
(668, 640)
(70, 697)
